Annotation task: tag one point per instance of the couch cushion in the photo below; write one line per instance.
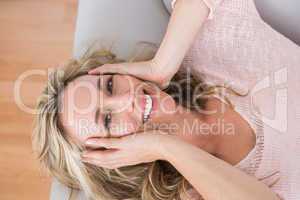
(120, 24)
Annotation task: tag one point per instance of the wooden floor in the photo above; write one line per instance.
(34, 34)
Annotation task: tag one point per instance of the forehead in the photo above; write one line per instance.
(79, 101)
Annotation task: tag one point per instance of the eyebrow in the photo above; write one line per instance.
(98, 83)
(97, 114)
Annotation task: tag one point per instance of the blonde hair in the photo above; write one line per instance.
(157, 180)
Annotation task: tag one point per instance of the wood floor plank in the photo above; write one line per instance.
(34, 34)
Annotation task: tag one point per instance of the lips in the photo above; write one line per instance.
(146, 104)
(148, 108)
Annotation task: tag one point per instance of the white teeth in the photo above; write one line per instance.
(148, 107)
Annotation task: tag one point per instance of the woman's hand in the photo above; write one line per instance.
(147, 70)
(125, 151)
(186, 20)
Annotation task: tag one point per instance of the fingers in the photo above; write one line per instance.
(108, 143)
(124, 151)
(108, 158)
(143, 70)
(140, 69)
(100, 164)
(100, 155)
(110, 69)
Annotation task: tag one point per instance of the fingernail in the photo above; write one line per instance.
(90, 142)
(82, 156)
(84, 160)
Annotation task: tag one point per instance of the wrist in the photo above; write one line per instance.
(159, 69)
(163, 71)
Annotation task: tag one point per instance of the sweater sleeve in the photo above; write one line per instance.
(211, 4)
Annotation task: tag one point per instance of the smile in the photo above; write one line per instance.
(148, 108)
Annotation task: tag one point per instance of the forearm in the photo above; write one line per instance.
(212, 177)
(186, 20)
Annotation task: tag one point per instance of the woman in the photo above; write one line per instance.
(77, 109)
(234, 47)
(237, 67)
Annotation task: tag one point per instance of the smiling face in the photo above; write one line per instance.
(112, 105)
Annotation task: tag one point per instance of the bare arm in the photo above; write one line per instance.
(211, 177)
(186, 20)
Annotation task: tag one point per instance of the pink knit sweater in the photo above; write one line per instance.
(238, 49)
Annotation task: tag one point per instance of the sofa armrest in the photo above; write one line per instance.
(119, 24)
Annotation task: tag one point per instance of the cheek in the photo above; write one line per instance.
(124, 124)
(166, 104)
(86, 128)
(124, 83)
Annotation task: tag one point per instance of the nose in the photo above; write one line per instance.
(118, 102)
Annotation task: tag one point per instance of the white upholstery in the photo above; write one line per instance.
(282, 15)
(59, 191)
(121, 23)
(125, 23)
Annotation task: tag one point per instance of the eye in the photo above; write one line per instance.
(107, 121)
(109, 85)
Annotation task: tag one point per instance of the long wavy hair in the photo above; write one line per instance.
(157, 180)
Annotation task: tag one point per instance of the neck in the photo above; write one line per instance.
(193, 127)
(214, 133)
